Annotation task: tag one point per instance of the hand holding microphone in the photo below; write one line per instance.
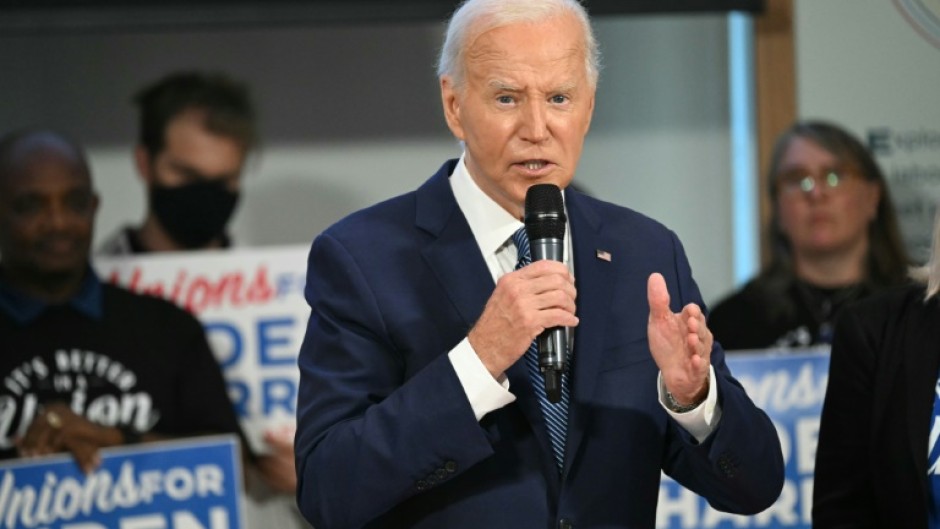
(529, 301)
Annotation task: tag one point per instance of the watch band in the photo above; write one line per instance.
(674, 405)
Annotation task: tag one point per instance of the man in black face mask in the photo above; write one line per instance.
(196, 131)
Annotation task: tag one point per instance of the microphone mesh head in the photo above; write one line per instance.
(544, 212)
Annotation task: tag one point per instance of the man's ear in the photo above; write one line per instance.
(587, 127)
(451, 101)
(144, 163)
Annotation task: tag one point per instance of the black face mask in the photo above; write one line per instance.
(193, 214)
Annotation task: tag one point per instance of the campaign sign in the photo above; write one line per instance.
(191, 484)
(790, 388)
(251, 304)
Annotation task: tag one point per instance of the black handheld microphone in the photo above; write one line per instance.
(545, 227)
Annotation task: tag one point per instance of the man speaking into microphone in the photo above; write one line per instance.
(423, 400)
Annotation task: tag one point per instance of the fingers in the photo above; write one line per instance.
(657, 296)
(524, 303)
(279, 442)
(542, 285)
(699, 337)
(679, 342)
(86, 454)
(57, 429)
(44, 435)
(542, 295)
(277, 468)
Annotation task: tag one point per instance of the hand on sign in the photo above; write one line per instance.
(58, 429)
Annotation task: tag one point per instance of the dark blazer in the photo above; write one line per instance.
(871, 460)
(387, 438)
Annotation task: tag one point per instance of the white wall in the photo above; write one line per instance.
(874, 66)
(351, 115)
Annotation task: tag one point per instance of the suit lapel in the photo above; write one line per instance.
(922, 335)
(595, 283)
(454, 258)
(452, 253)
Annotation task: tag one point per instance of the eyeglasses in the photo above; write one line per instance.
(793, 182)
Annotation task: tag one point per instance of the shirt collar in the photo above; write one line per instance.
(24, 309)
(491, 225)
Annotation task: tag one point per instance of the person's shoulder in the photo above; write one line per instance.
(118, 243)
(735, 304)
(885, 320)
(121, 302)
(752, 295)
(397, 213)
(892, 303)
(365, 230)
(745, 319)
(616, 214)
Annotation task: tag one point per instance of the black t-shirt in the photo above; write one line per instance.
(143, 363)
(752, 318)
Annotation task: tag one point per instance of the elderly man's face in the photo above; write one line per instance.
(47, 210)
(524, 108)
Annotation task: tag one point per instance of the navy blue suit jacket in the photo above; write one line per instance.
(387, 438)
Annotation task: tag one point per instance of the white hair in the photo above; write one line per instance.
(930, 272)
(475, 17)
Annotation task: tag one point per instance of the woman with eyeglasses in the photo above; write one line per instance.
(834, 240)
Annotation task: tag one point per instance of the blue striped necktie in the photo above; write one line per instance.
(556, 415)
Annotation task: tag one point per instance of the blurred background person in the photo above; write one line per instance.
(196, 130)
(834, 240)
(878, 457)
(51, 301)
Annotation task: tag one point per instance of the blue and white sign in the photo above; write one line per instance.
(790, 388)
(251, 303)
(191, 484)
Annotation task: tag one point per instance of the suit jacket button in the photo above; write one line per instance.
(440, 473)
(450, 466)
(727, 466)
(564, 523)
(421, 484)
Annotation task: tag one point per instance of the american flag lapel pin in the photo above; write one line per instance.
(603, 255)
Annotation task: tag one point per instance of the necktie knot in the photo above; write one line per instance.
(521, 240)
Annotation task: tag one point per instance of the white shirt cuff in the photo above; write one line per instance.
(484, 392)
(701, 421)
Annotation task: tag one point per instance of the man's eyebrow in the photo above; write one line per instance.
(566, 87)
(503, 86)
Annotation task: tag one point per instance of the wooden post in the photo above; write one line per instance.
(776, 93)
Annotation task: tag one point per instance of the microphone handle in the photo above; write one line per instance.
(552, 343)
(552, 361)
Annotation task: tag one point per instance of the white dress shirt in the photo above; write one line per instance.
(493, 227)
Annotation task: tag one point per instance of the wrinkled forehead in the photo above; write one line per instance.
(548, 22)
(559, 40)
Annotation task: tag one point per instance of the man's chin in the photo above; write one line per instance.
(59, 268)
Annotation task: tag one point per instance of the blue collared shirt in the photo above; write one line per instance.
(24, 309)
